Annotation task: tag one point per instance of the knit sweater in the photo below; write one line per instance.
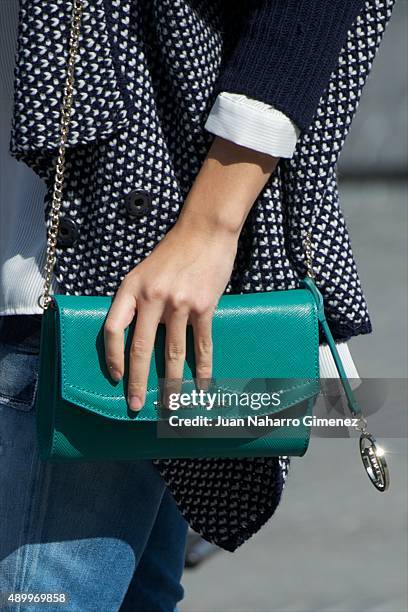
(283, 51)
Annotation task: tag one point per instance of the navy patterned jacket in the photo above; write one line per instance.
(148, 73)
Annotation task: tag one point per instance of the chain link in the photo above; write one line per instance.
(307, 244)
(361, 425)
(44, 299)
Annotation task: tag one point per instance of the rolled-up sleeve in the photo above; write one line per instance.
(286, 51)
(252, 124)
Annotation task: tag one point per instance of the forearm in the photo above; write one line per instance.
(225, 189)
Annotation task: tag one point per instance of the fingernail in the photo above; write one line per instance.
(135, 402)
(115, 375)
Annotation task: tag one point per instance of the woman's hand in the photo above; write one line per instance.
(181, 281)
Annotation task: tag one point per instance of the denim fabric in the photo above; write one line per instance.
(109, 535)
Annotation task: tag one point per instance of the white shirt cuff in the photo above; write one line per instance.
(253, 124)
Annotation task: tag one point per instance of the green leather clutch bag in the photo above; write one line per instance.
(269, 339)
(83, 415)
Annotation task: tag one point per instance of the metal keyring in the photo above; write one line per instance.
(374, 462)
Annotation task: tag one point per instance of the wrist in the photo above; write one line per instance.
(213, 224)
(224, 190)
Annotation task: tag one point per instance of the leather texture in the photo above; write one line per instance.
(83, 415)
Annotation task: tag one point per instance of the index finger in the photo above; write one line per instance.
(120, 316)
(147, 320)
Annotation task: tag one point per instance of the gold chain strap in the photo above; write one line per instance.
(44, 300)
(307, 244)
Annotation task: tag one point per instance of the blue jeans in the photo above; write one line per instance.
(108, 535)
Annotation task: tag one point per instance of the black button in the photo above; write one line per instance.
(67, 232)
(137, 203)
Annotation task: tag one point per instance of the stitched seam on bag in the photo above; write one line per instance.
(226, 388)
(316, 364)
(316, 339)
(307, 439)
(66, 384)
(84, 404)
(286, 390)
(55, 415)
(95, 393)
(105, 413)
(141, 418)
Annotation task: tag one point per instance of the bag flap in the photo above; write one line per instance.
(262, 342)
